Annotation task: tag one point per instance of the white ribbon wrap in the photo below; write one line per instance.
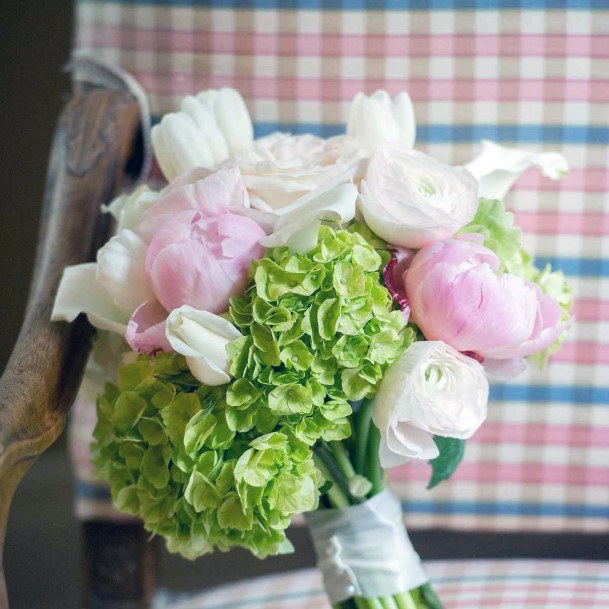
(364, 550)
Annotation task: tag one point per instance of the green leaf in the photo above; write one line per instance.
(451, 454)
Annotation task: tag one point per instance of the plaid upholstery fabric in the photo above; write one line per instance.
(513, 584)
(533, 74)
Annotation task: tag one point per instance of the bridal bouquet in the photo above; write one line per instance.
(292, 316)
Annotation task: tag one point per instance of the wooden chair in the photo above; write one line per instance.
(94, 143)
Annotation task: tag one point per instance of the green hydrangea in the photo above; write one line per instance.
(319, 330)
(502, 237)
(164, 444)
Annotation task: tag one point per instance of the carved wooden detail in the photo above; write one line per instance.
(92, 144)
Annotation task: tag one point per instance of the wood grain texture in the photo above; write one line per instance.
(92, 144)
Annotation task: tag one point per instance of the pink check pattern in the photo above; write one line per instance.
(534, 77)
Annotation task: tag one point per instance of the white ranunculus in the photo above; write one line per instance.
(432, 389)
(377, 119)
(410, 199)
(209, 128)
(282, 168)
(496, 167)
(107, 291)
(202, 337)
(128, 210)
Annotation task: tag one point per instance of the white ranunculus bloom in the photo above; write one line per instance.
(282, 168)
(432, 389)
(209, 128)
(410, 199)
(128, 210)
(377, 119)
(202, 337)
(107, 291)
(496, 167)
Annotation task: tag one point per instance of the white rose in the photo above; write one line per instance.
(410, 199)
(280, 168)
(210, 127)
(202, 337)
(432, 389)
(376, 120)
(496, 167)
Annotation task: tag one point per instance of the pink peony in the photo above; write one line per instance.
(456, 295)
(198, 253)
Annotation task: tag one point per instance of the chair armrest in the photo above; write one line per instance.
(92, 144)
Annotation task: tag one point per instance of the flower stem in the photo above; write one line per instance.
(363, 422)
(388, 602)
(336, 497)
(342, 459)
(405, 601)
(375, 474)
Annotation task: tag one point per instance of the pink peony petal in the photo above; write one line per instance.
(146, 329)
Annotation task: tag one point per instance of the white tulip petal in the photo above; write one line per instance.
(179, 145)
(128, 210)
(403, 112)
(121, 271)
(376, 120)
(79, 292)
(232, 117)
(163, 153)
(206, 122)
(202, 337)
(298, 224)
(497, 167)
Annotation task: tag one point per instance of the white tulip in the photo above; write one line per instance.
(497, 168)
(231, 115)
(128, 210)
(202, 337)
(297, 225)
(179, 145)
(107, 291)
(376, 120)
(121, 271)
(206, 122)
(210, 128)
(410, 199)
(432, 389)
